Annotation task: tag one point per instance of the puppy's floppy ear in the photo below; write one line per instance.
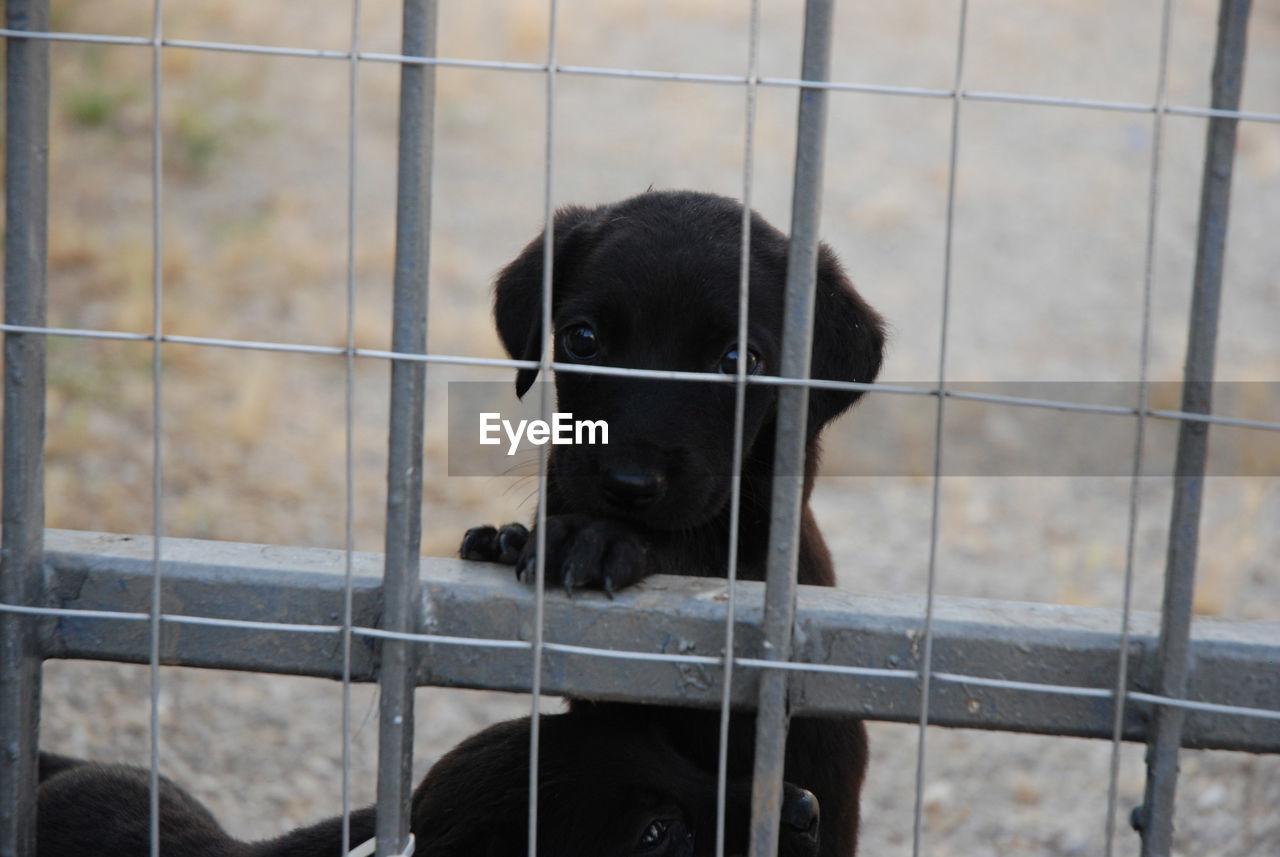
(517, 293)
(848, 341)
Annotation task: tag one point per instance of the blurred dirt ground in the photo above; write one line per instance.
(1047, 272)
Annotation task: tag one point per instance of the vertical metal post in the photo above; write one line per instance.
(25, 303)
(789, 450)
(1155, 819)
(404, 455)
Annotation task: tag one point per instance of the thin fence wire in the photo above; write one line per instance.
(157, 405)
(1144, 354)
(349, 367)
(657, 75)
(847, 670)
(739, 419)
(1168, 414)
(546, 356)
(926, 663)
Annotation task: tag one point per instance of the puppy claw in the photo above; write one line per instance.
(580, 553)
(526, 569)
(480, 544)
(511, 540)
(494, 544)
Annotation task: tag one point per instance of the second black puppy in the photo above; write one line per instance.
(652, 282)
(606, 789)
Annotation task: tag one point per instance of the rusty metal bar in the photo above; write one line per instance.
(1155, 819)
(25, 303)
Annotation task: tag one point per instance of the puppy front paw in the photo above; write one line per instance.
(582, 551)
(494, 544)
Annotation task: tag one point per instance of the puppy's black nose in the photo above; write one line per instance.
(800, 810)
(633, 485)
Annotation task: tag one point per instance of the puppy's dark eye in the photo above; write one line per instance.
(654, 834)
(580, 342)
(729, 362)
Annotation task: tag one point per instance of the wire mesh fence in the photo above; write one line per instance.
(928, 659)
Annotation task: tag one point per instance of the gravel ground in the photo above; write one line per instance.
(1046, 280)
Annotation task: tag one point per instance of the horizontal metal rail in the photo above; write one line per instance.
(1018, 667)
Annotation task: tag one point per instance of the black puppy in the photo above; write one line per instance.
(99, 810)
(605, 790)
(610, 783)
(652, 282)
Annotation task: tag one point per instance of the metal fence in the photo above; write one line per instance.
(1112, 675)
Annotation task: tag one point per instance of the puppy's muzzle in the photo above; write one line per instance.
(633, 486)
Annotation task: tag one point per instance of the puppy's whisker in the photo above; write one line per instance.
(526, 461)
(517, 482)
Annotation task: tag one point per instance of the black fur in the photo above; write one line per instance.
(654, 280)
(606, 789)
(605, 776)
(98, 810)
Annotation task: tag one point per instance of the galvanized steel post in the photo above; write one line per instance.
(407, 414)
(25, 303)
(789, 450)
(1155, 819)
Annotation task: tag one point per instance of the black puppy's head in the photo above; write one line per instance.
(652, 282)
(607, 787)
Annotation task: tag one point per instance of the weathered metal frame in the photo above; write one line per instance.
(1014, 666)
(1155, 819)
(774, 706)
(397, 659)
(25, 303)
(989, 665)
